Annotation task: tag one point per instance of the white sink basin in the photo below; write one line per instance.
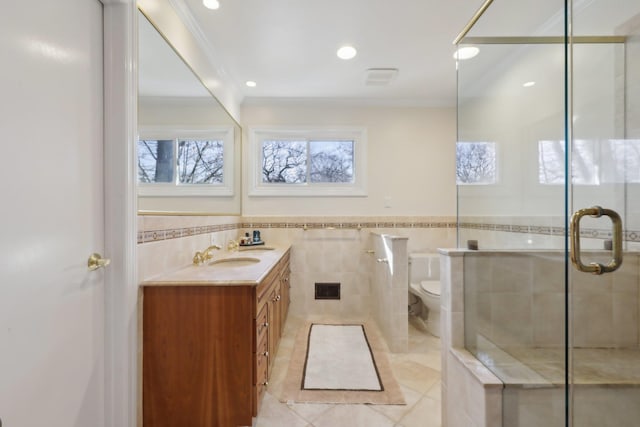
(234, 262)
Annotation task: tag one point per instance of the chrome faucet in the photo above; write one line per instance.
(206, 255)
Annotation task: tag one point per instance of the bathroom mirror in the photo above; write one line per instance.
(188, 144)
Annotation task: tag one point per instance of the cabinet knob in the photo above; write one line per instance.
(265, 324)
(266, 383)
(286, 279)
(265, 354)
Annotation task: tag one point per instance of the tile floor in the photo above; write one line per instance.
(417, 371)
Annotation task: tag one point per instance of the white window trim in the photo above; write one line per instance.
(168, 132)
(357, 188)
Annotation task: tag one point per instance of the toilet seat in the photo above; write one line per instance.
(431, 287)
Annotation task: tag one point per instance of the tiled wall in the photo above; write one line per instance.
(516, 299)
(471, 393)
(166, 243)
(388, 276)
(324, 249)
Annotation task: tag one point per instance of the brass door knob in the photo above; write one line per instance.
(96, 261)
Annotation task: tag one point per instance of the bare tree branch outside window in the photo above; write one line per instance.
(155, 161)
(317, 161)
(197, 162)
(200, 162)
(331, 161)
(284, 161)
(475, 163)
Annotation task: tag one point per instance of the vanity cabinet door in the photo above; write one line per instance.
(285, 294)
(274, 322)
(197, 355)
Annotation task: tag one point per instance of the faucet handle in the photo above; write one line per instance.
(232, 245)
(198, 258)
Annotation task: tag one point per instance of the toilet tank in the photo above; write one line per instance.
(424, 266)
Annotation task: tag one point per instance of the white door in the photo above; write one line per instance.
(51, 192)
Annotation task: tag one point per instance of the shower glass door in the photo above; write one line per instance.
(549, 125)
(512, 203)
(604, 130)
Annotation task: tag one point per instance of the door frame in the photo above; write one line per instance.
(120, 228)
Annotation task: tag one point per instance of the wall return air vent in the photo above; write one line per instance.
(327, 290)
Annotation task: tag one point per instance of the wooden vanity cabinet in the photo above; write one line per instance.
(197, 355)
(270, 307)
(208, 350)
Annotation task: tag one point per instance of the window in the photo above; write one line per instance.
(593, 162)
(476, 163)
(174, 162)
(307, 162)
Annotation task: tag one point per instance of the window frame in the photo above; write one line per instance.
(176, 133)
(258, 188)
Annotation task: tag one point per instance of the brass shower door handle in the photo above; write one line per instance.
(594, 267)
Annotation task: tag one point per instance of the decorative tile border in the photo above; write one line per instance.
(158, 235)
(592, 233)
(176, 233)
(347, 225)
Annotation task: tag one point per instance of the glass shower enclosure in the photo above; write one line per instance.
(548, 171)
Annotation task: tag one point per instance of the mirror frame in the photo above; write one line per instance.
(236, 169)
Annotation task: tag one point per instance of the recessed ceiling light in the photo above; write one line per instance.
(466, 52)
(529, 84)
(211, 4)
(346, 52)
(251, 83)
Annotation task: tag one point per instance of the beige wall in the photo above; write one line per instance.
(410, 158)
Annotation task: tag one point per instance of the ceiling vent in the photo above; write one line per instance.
(380, 76)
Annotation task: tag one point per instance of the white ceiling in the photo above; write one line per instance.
(161, 72)
(289, 46)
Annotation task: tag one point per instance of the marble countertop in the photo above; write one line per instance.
(225, 274)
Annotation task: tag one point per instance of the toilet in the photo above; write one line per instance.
(424, 282)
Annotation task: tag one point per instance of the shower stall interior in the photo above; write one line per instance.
(548, 170)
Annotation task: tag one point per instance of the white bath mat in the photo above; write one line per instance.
(339, 358)
(385, 390)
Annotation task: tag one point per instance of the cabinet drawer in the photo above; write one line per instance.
(260, 373)
(265, 288)
(262, 361)
(262, 325)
